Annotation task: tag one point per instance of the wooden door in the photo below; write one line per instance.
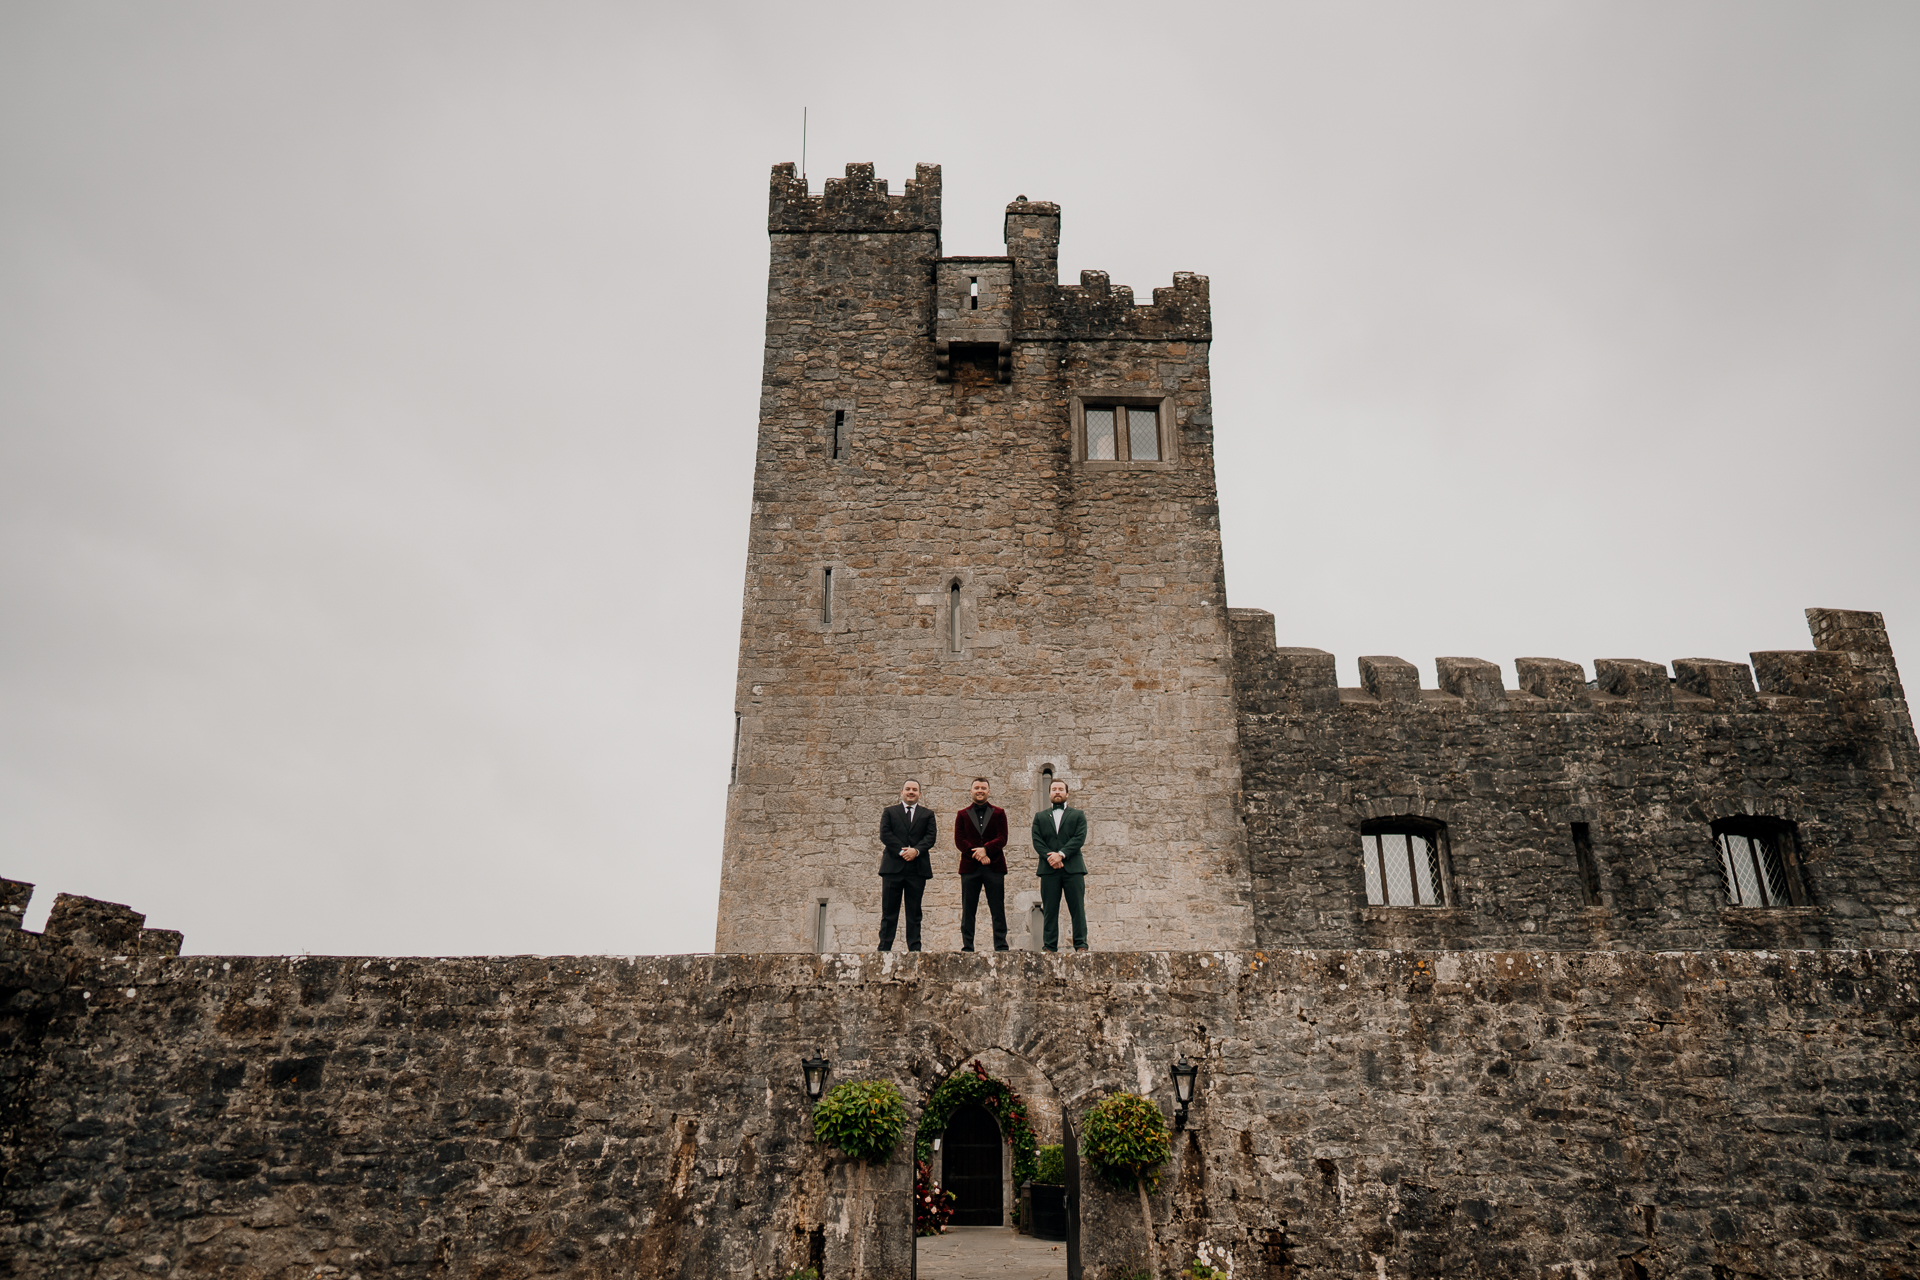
(970, 1167)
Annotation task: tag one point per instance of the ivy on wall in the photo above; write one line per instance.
(1006, 1106)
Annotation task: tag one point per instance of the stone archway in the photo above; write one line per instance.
(1042, 1101)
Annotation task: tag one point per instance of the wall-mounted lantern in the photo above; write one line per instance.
(1183, 1076)
(814, 1073)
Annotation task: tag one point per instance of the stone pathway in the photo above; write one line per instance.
(990, 1253)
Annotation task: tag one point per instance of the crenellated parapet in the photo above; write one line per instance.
(1277, 679)
(856, 203)
(1097, 309)
(1093, 310)
(81, 926)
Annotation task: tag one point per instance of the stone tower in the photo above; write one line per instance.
(985, 540)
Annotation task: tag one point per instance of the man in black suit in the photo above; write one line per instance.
(907, 831)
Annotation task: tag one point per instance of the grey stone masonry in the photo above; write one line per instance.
(1359, 1113)
(1821, 754)
(941, 584)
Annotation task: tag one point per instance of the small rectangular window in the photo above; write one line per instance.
(733, 773)
(820, 926)
(839, 434)
(973, 295)
(1402, 866)
(826, 595)
(1756, 865)
(1589, 869)
(1121, 433)
(1100, 437)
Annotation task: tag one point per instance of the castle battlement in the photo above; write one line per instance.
(1094, 310)
(1609, 812)
(1852, 660)
(855, 203)
(81, 926)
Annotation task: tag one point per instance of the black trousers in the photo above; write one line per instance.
(892, 890)
(971, 884)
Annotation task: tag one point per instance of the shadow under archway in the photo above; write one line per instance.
(972, 1168)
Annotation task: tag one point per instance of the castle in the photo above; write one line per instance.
(1587, 979)
(985, 541)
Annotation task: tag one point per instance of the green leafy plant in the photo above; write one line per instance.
(1127, 1141)
(976, 1086)
(1050, 1166)
(803, 1273)
(1198, 1270)
(863, 1118)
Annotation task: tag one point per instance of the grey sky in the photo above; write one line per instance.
(378, 385)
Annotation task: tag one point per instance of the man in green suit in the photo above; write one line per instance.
(1058, 835)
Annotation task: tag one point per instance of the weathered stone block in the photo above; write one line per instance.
(1390, 679)
(1554, 679)
(1475, 681)
(1644, 682)
(89, 925)
(1803, 673)
(1728, 682)
(14, 897)
(1849, 631)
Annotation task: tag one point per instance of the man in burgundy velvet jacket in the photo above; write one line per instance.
(980, 832)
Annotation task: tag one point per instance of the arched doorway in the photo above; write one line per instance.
(970, 1167)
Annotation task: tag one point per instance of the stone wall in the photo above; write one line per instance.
(1360, 1113)
(1647, 761)
(1090, 636)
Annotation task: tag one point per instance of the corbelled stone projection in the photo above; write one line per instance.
(1592, 979)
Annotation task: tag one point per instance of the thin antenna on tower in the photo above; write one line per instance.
(803, 144)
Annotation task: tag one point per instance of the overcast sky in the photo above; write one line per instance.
(378, 387)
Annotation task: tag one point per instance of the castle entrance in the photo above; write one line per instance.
(970, 1167)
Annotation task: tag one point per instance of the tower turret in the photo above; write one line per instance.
(984, 541)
